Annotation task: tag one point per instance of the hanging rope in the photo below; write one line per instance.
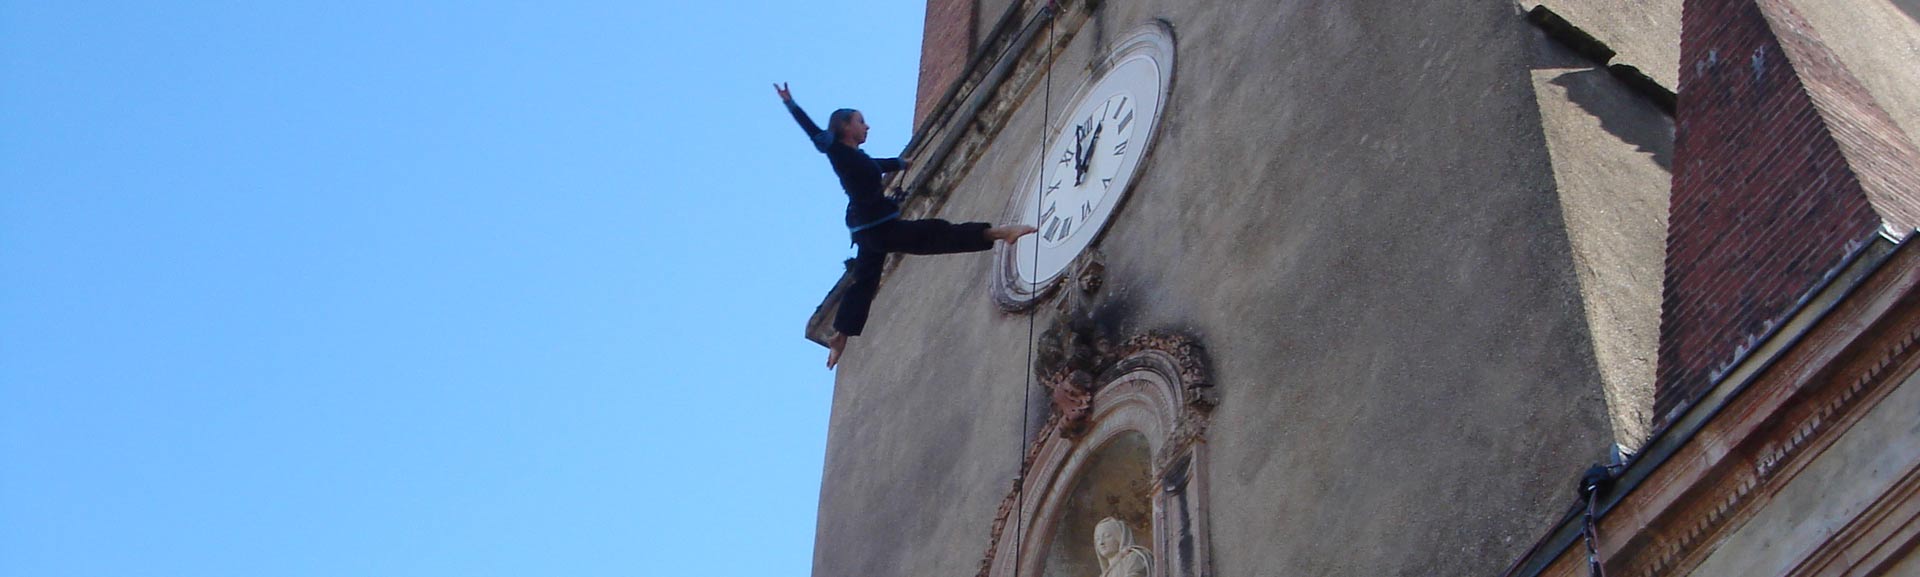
(1592, 483)
(1050, 11)
(1593, 549)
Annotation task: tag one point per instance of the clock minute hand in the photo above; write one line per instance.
(1079, 149)
(1086, 161)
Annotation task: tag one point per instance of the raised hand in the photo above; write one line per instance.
(781, 89)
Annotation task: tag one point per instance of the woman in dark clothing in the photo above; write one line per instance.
(874, 220)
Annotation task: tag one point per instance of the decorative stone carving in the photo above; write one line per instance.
(1068, 357)
(1072, 402)
(1154, 388)
(1073, 356)
(1092, 272)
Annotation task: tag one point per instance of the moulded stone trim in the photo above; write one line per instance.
(1771, 467)
(1788, 408)
(1878, 537)
(1150, 388)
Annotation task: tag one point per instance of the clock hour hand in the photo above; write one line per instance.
(1080, 150)
(1080, 133)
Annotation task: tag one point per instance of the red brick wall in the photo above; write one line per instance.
(945, 49)
(1782, 167)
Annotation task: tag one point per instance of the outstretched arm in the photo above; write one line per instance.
(800, 116)
(890, 164)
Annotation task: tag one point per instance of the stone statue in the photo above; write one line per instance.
(1119, 557)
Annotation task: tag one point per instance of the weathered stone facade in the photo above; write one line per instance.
(1788, 442)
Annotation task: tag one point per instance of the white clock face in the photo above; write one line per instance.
(1091, 159)
(1082, 171)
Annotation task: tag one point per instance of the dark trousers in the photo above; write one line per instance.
(931, 236)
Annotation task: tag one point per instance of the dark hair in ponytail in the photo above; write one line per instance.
(836, 124)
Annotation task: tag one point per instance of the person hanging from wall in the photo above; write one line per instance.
(874, 220)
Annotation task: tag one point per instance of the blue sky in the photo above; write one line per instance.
(421, 288)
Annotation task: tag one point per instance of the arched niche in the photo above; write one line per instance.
(1116, 482)
(1141, 459)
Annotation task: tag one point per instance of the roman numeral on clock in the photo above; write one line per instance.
(1086, 210)
(1058, 228)
(1120, 148)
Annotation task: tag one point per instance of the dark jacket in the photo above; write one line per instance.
(867, 203)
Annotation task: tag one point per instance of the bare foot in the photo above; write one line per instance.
(1010, 232)
(835, 345)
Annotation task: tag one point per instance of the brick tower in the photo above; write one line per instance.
(1785, 167)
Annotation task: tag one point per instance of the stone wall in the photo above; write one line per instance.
(1397, 229)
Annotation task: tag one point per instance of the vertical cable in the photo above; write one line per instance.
(1592, 483)
(1593, 535)
(1033, 289)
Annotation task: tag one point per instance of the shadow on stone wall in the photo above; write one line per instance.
(1599, 93)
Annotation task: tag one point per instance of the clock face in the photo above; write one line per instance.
(1092, 157)
(1085, 166)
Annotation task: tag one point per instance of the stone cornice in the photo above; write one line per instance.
(1874, 539)
(1807, 421)
(1703, 477)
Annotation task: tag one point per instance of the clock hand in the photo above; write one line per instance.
(1080, 134)
(1080, 148)
(1080, 168)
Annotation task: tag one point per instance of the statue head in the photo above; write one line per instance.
(1111, 538)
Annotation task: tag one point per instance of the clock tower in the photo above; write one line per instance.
(1319, 288)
